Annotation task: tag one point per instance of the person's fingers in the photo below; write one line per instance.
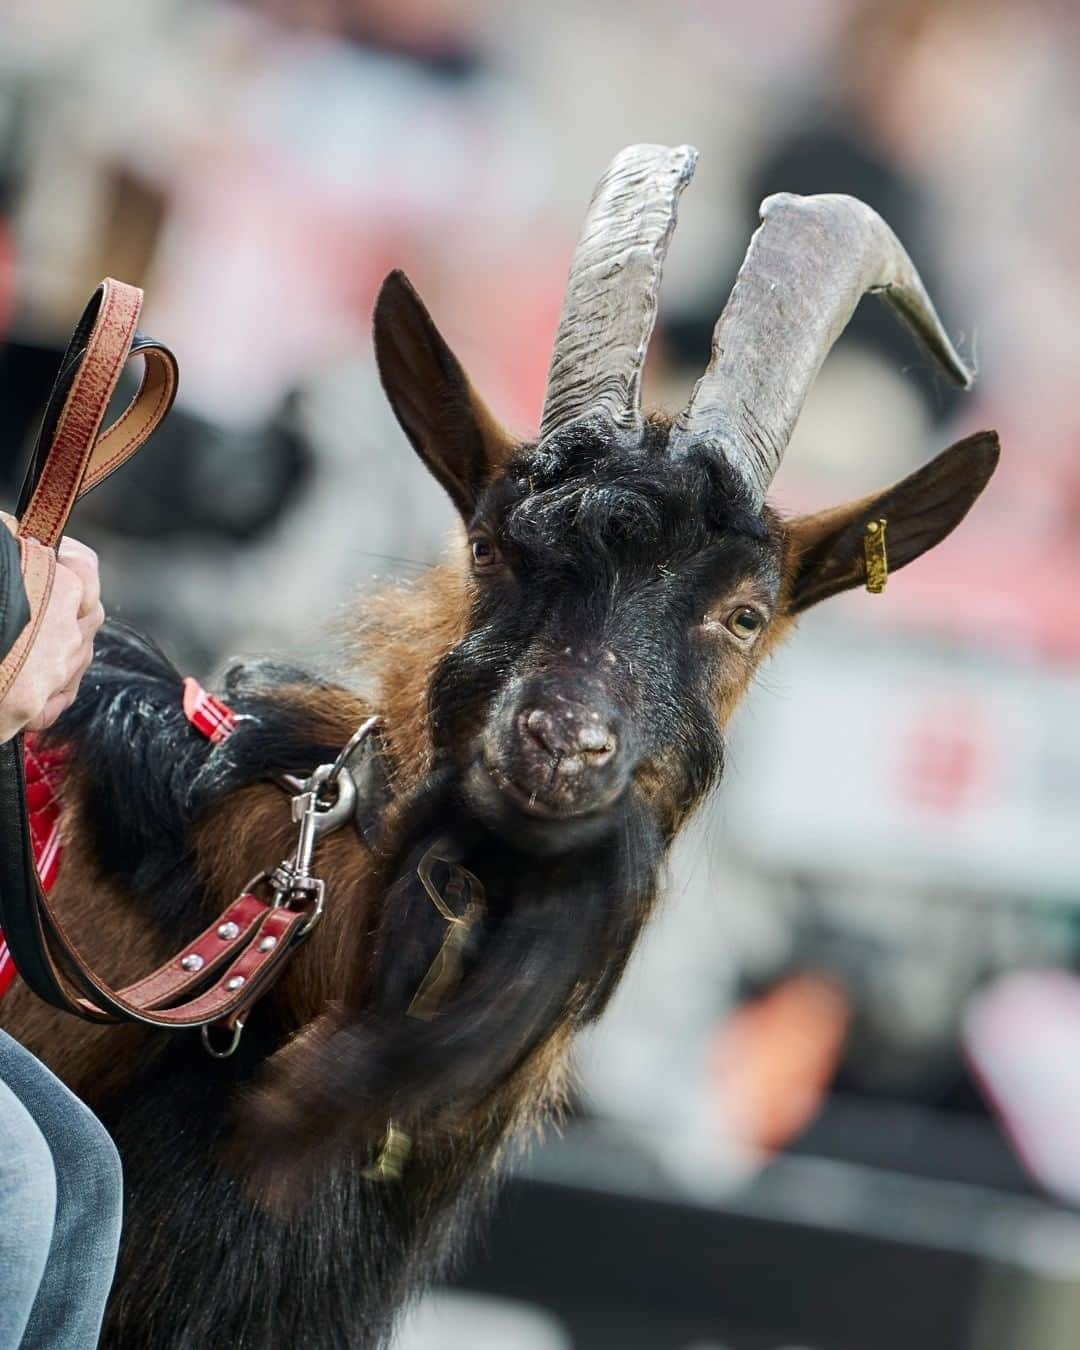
(65, 604)
(78, 659)
(81, 661)
(63, 698)
(74, 630)
(53, 708)
(83, 561)
(59, 703)
(91, 620)
(63, 649)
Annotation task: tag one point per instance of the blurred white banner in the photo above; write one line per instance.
(911, 764)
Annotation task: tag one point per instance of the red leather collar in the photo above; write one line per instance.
(44, 771)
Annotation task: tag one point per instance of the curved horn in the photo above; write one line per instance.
(809, 263)
(610, 305)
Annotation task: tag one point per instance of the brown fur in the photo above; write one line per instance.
(398, 639)
(401, 637)
(401, 634)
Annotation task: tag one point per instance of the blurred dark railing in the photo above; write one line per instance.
(814, 1253)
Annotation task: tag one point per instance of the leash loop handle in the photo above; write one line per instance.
(73, 455)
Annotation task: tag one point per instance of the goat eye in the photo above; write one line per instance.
(484, 552)
(745, 623)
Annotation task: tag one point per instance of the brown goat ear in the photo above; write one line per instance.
(826, 550)
(448, 423)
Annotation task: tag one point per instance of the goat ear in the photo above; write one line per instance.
(450, 427)
(826, 550)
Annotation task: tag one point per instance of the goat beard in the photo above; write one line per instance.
(548, 952)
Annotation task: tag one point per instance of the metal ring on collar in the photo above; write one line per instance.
(230, 1049)
(359, 736)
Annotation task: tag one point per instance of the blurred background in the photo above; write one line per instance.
(836, 1105)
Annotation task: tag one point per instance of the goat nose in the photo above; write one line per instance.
(572, 732)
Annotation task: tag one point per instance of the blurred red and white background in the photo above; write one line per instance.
(898, 834)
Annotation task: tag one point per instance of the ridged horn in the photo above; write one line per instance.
(809, 263)
(610, 304)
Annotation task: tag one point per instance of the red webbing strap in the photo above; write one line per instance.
(73, 456)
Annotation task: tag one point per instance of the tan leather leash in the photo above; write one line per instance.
(216, 977)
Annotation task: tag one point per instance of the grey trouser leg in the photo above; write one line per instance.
(78, 1272)
(27, 1207)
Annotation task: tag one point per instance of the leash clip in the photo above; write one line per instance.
(316, 818)
(317, 814)
(292, 879)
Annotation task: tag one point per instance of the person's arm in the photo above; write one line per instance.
(14, 606)
(62, 627)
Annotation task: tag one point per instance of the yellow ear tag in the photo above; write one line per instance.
(877, 559)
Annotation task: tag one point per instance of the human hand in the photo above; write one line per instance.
(64, 644)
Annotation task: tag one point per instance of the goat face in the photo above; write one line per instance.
(619, 602)
(621, 595)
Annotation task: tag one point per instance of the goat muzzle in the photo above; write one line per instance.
(552, 758)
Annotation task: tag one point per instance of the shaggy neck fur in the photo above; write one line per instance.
(175, 827)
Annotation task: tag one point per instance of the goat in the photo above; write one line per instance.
(552, 705)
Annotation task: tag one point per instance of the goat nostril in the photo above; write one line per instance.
(566, 739)
(597, 742)
(541, 727)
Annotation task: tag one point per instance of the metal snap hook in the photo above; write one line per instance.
(316, 820)
(340, 811)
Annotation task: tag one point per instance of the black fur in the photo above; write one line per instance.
(606, 557)
(198, 1251)
(551, 941)
(154, 775)
(618, 598)
(202, 1264)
